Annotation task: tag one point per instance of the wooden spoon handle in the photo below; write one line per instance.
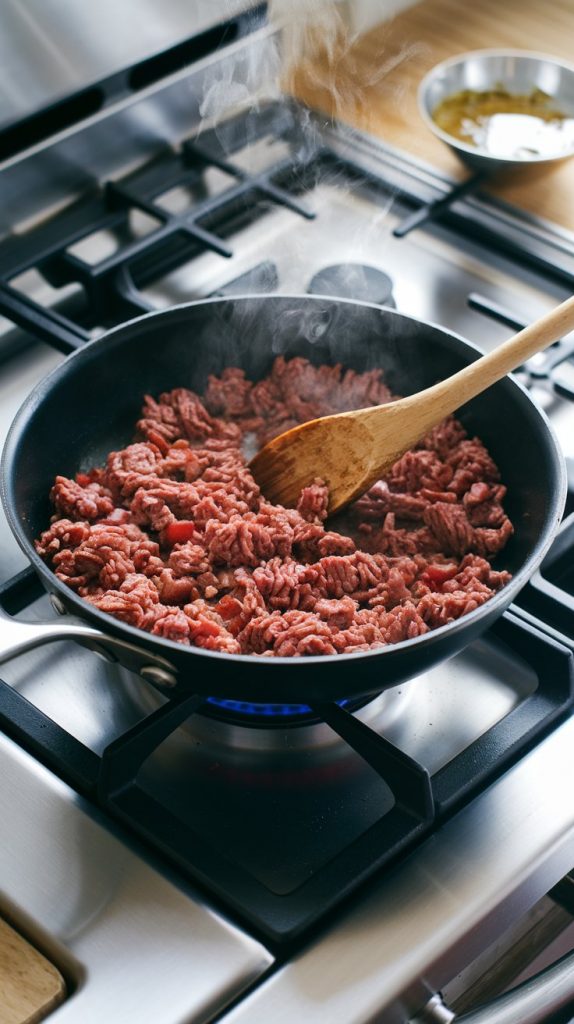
(478, 376)
(429, 407)
(396, 427)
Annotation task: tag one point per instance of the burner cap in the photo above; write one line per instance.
(353, 281)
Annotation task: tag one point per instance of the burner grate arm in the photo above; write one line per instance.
(409, 780)
(123, 758)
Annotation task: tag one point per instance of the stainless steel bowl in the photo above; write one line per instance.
(519, 71)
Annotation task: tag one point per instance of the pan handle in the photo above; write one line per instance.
(16, 637)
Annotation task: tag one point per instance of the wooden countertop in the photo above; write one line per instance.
(372, 83)
(30, 986)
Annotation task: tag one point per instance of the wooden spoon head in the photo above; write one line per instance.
(338, 449)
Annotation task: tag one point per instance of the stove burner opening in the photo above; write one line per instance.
(354, 281)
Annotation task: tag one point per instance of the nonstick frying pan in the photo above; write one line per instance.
(89, 404)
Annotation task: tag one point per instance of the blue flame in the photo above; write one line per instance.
(242, 707)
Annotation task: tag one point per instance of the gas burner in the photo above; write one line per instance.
(280, 728)
(232, 726)
(354, 281)
(240, 712)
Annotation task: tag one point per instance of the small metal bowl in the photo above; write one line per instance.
(519, 71)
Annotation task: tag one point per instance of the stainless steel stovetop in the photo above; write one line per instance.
(126, 926)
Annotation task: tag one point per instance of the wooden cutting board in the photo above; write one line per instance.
(30, 986)
(372, 82)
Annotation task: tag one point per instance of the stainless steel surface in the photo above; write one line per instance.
(519, 72)
(135, 946)
(536, 1001)
(77, 160)
(434, 1012)
(159, 676)
(430, 915)
(411, 930)
(57, 604)
(535, 941)
(50, 49)
(18, 637)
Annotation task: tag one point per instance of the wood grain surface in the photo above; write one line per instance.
(30, 986)
(371, 82)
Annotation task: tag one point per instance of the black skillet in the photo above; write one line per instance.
(88, 405)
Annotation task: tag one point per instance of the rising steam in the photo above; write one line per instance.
(330, 65)
(316, 55)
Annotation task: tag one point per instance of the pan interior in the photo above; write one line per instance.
(90, 405)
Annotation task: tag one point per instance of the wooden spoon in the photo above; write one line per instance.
(350, 450)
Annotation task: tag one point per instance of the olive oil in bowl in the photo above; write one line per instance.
(506, 125)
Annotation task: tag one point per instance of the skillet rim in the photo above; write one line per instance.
(109, 624)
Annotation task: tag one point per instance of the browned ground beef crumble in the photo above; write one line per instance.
(174, 537)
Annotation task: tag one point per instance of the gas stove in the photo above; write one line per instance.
(343, 862)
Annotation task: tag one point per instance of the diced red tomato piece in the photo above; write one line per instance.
(179, 532)
(228, 607)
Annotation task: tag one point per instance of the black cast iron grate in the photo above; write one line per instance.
(437, 208)
(378, 810)
(113, 287)
(550, 591)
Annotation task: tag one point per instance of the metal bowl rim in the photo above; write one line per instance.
(476, 151)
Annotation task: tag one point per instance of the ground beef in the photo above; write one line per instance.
(71, 499)
(173, 536)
